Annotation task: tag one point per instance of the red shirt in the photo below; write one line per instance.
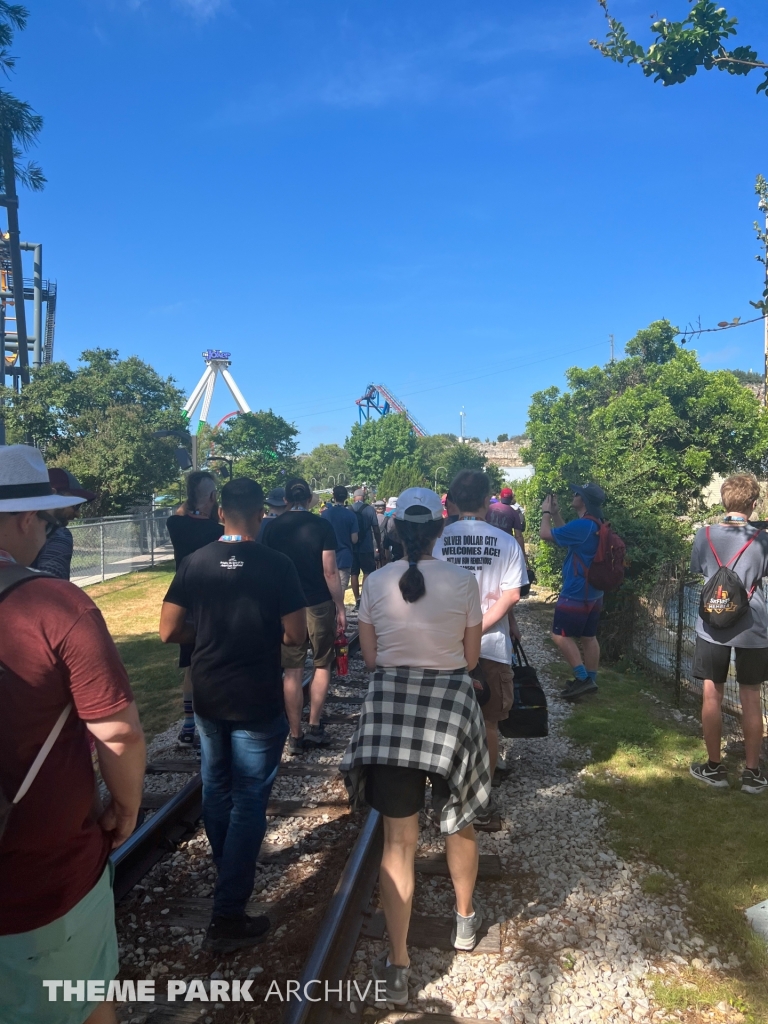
(504, 517)
(55, 649)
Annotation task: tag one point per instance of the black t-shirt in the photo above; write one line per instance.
(188, 533)
(304, 537)
(236, 594)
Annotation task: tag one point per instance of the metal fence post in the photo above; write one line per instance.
(151, 525)
(101, 541)
(679, 638)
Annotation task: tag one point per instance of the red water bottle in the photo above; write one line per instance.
(342, 654)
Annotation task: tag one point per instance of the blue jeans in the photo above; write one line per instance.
(239, 765)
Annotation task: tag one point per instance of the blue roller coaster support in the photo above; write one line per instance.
(380, 399)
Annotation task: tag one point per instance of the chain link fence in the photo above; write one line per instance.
(113, 546)
(661, 636)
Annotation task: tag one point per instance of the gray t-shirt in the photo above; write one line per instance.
(752, 628)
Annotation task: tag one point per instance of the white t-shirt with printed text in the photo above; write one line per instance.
(497, 562)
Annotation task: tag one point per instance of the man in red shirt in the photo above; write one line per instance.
(56, 905)
(506, 517)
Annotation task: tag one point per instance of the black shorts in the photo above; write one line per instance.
(711, 661)
(364, 560)
(399, 792)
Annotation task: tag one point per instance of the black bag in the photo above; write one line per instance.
(528, 716)
(526, 587)
(724, 598)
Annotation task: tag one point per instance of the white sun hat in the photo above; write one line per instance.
(24, 483)
(418, 505)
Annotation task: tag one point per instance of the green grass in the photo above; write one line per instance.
(715, 840)
(131, 606)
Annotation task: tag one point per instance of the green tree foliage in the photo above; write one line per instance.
(655, 344)
(680, 48)
(441, 456)
(747, 376)
(97, 421)
(503, 437)
(262, 445)
(326, 461)
(400, 475)
(376, 444)
(25, 125)
(652, 431)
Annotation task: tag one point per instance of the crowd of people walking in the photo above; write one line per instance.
(260, 583)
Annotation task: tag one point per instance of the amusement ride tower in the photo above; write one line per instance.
(216, 363)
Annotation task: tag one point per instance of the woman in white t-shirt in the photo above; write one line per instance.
(420, 627)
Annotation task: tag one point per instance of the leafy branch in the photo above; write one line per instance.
(682, 47)
(16, 115)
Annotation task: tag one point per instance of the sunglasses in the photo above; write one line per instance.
(51, 523)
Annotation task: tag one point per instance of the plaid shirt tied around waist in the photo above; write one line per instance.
(426, 719)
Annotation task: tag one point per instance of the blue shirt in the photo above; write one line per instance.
(344, 523)
(580, 537)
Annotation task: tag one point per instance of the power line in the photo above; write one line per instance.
(463, 380)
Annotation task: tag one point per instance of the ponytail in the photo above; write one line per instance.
(417, 539)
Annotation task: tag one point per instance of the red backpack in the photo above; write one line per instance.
(606, 571)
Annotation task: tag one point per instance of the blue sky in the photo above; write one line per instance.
(457, 199)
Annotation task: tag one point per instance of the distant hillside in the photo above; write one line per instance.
(504, 453)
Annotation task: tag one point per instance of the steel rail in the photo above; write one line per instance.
(339, 930)
(161, 833)
(156, 837)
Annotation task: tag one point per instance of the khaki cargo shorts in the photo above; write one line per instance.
(321, 629)
(500, 682)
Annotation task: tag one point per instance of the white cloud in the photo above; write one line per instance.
(469, 63)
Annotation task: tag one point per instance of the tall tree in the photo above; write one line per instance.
(97, 420)
(680, 48)
(323, 462)
(652, 430)
(399, 476)
(377, 444)
(24, 124)
(441, 456)
(262, 445)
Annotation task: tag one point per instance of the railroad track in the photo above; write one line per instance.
(333, 853)
(176, 816)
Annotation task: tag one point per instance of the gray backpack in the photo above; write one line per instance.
(11, 577)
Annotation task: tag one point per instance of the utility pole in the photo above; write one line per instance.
(611, 337)
(462, 417)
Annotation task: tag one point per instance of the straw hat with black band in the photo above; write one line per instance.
(24, 482)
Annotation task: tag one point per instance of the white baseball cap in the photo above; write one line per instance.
(392, 502)
(24, 482)
(418, 505)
